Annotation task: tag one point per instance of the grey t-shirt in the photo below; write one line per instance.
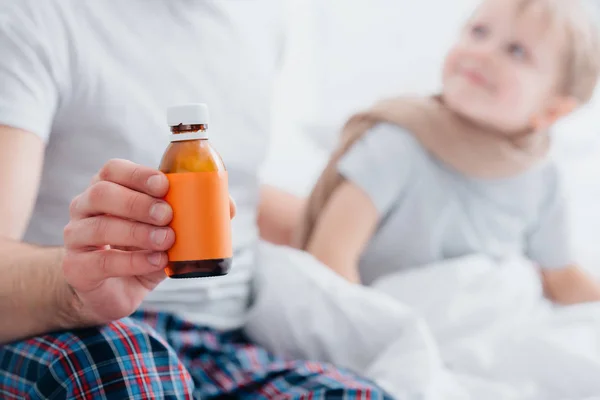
(430, 212)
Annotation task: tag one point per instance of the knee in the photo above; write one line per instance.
(121, 360)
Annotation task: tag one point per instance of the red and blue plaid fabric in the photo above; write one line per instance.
(159, 356)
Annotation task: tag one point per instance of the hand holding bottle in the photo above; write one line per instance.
(116, 241)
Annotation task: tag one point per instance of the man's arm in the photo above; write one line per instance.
(114, 250)
(32, 291)
(570, 285)
(34, 297)
(278, 214)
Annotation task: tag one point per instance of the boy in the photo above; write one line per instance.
(420, 180)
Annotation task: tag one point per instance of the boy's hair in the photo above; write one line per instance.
(580, 22)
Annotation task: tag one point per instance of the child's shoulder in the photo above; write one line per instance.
(389, 135)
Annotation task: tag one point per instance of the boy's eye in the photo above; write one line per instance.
(517, 51)
(479, 31)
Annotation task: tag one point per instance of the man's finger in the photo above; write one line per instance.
(106, 197)
(107, 230)
(133, 176)
(84, 270)
(232, 208)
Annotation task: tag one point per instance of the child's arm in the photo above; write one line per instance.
(377, 169)
(570, 285)
(278, 214)
(549, 245)
(343, 230)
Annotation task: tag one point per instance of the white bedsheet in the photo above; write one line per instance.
(463, 329)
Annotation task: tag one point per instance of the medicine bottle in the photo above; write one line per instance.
(198, 194)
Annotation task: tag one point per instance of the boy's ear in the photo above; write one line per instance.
(560, 107)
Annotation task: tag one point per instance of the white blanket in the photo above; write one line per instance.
(469, 328)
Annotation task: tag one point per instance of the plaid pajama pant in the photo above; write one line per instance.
(159, 356)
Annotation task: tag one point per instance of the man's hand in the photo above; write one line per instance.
(115, 244)
(116, 240)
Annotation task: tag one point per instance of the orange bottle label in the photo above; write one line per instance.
(201, 217)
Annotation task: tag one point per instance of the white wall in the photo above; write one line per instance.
(294, 160)
(343, 55)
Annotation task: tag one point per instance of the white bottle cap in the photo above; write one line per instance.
(188, 114)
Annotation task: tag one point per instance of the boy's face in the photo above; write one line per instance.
(506, 68)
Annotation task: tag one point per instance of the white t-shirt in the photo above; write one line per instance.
(93, 80)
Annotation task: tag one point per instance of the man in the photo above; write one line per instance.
(83, 82)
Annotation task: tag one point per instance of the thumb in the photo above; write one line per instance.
(232, 208)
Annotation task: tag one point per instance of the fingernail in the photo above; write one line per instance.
(155, 182)
(158, 236)
(155, 259)
(159, 211)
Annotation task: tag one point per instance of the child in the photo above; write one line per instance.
(421, 180)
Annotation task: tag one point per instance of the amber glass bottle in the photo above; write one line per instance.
(198, 194)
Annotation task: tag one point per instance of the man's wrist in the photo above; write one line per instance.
(66, 305)
(35, 297)
(68, 309)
